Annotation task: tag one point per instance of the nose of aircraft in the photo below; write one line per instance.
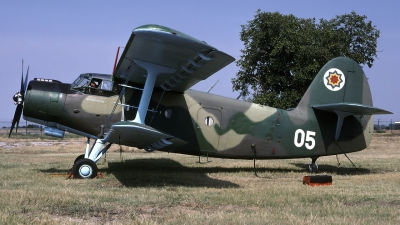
(19, 100)
(44, 101)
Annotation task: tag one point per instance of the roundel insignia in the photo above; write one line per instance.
(334, 79)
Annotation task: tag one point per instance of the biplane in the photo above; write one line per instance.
(147, 103)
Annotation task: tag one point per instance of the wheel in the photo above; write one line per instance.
(313, 168)
(85, 169)
(78, 158)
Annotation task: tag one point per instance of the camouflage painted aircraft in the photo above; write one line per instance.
(146, 103)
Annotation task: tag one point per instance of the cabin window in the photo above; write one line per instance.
(209, 121)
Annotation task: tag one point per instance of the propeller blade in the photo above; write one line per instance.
(22, 76)
(19, 99)
(17, 117)
(22, 85)
(26, 79)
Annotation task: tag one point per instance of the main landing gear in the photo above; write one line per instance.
(313, 167)
(85, 168)
(85, 165)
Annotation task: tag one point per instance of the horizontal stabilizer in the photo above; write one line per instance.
(353, 108)
(345, 109)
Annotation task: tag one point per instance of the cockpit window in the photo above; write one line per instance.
(87, 84)
(81, 81)
(95, 83)
(107, 85)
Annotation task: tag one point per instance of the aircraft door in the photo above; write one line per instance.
(208, 129)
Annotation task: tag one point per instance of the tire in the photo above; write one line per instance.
(313, 168)
(78, 158)
(85, 169)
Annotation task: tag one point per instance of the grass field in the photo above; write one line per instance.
(162, 188)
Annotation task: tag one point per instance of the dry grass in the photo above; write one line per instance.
(161, 188)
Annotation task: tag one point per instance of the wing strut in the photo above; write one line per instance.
(153, 71)
(119, 99)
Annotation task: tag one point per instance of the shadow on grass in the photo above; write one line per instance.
(163, 172)
(336, 170)
(167, 172)
(159, 173)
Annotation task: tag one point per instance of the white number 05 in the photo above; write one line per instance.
(308, 137)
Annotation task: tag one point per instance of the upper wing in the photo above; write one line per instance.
(192, 59)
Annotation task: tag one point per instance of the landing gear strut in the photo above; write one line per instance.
(313, 167)
(85, 165)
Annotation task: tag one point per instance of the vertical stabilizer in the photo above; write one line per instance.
(340, 80)
(340, 99)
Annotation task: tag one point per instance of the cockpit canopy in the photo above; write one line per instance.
(95, 84)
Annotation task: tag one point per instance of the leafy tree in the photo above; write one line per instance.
(283, 53)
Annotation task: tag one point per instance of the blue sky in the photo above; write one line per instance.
(62, 39)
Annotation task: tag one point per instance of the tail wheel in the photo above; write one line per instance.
(85, 169)
(313, 168)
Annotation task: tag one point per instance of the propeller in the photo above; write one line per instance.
(19, 100)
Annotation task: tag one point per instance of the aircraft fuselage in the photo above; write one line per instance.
(228, 128)
(210, 124)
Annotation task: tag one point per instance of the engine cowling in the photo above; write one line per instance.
(45, 99)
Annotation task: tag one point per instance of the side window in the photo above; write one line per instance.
(95, 83)
(106, 85)
(101, 87)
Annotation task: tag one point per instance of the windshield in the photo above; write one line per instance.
(81, 81)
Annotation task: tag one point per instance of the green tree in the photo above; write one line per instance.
(283, 53)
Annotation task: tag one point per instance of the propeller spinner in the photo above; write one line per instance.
(19, 100)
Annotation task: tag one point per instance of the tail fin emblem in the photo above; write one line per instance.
(334, 79)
